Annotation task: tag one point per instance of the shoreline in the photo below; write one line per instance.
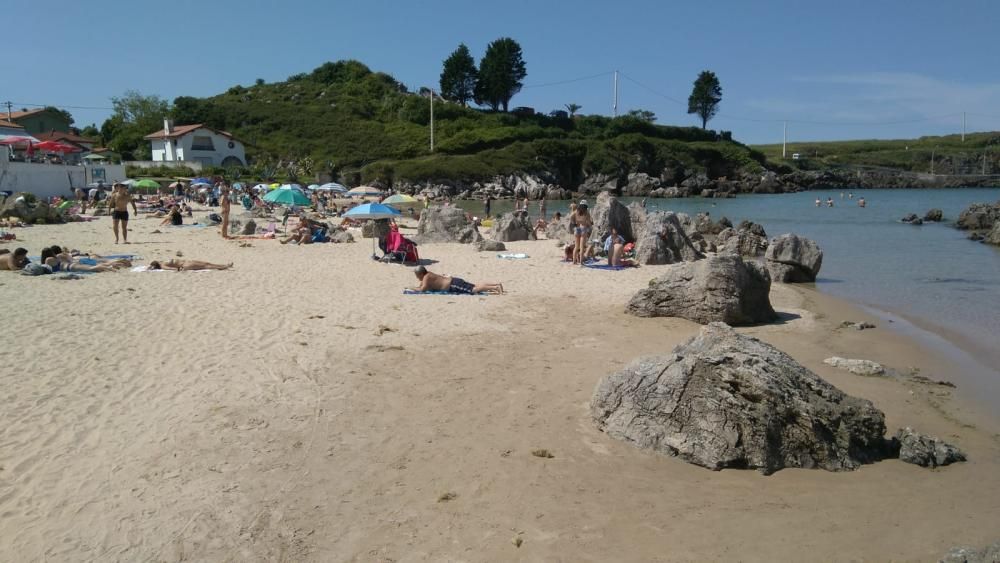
(298, 406)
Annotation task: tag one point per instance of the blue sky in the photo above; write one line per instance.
(833, 69)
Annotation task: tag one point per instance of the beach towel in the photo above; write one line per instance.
(512, 255)
(415, 292)
(603, 267)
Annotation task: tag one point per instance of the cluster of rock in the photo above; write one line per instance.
(932, 216)
(982, 220)
(29, 209)
(857, 367)
(966, 554)
(726, 400)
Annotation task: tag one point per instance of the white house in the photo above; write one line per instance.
(196, 143)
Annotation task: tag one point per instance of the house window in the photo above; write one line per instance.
(202, 143)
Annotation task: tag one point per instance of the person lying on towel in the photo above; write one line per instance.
(429, 281)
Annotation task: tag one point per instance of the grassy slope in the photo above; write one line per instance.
(366, 126)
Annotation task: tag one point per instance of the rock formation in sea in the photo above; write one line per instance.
(719, 288)
(726, 400)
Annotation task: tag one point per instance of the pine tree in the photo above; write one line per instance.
(459, 76)
(500, 74)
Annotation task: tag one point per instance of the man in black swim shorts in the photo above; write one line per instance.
(430, 281)
(119, 202)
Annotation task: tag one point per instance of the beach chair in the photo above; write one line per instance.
(398, 249)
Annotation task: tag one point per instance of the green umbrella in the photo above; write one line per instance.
(287, 196)
(147, 184)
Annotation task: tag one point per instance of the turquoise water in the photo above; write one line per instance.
(927, 273)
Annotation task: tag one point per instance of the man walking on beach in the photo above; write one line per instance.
(224, 190)
(119, 201)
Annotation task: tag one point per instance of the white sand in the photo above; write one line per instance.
(300, 408)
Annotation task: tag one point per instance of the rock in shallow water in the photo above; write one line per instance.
(725, 400)
(926, 451)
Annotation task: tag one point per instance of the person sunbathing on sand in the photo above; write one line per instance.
(179, 265)
(430, 281)
(62, 262)
(13, 260)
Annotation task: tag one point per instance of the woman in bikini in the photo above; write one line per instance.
(179, 265)
(584, 223)
(59, 261)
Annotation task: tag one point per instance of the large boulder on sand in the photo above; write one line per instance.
(446, 224)
(725, 400)
(660, 238)
(793, 259)
(720, 288)
(609, 212)
(513, 227)
(741, 243)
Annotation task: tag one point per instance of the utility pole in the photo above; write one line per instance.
(8, 104)
(932, 160)
(984, 161)
(432, 119)
(614, 106)
(784, 139)
(963, 126)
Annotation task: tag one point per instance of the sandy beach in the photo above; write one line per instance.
(299, 407)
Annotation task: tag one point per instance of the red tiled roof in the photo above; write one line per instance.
(181, 130)
(9, 125)
(60, 136)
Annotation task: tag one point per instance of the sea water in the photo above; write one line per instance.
(931, 274)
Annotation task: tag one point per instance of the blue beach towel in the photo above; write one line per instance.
(603, 267)
(415, 292)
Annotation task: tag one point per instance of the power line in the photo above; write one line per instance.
(570, 81)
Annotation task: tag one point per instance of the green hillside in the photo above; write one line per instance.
(950, 154)
(345, 119)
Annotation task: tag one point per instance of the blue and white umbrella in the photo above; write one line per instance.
(295, 187)
(372, 211)
(331, 187)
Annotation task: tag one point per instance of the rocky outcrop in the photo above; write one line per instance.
(965, 554)
(597, 183)
(559, 230)
(993, 237)
(487, 245)
(934, 216)
(660, 239)
(719, 288)
(912, 219)
(513, 227)
(29, 209)
(979, 217)
(926, 451)
(857, 367)
(741, 243)
(793, 259)
(725, 400)
(608, 212)
(640, 185)
(446, 224)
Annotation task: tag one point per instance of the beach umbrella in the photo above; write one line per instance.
(202, 185)
(237, 186)
(93, 156)
(14, 140)
(312, 186)
(290, 187)
(399, 199)
(260, 188)
(287, 197)
(201, 180)
(332, 187)
(373, 211)
(147, 184)
(365, 190)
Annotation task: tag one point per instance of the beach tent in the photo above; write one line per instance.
(373, 211)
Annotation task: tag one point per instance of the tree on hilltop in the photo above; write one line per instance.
(459, 76)
(500, 74)
(705, 97)
(573, 108)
